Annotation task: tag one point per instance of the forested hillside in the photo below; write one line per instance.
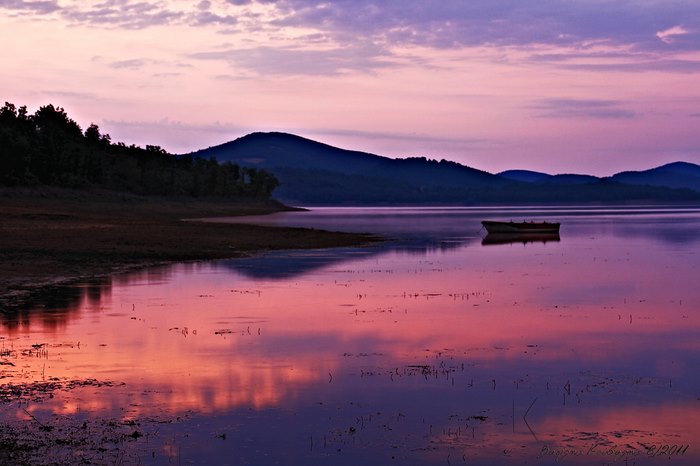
(675, 175)
(313, 173)
(49, 148)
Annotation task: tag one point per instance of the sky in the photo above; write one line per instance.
(560, 86)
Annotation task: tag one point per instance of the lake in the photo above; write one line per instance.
(437, 346)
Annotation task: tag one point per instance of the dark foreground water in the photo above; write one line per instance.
(436, 347)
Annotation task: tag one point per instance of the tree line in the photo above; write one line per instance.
(49, 148)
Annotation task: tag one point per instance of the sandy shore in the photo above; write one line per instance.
(56, 237)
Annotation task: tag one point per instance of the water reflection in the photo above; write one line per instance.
(298, 263)
(566, 352)
(52, 306)
(458, 225)
(510, 238)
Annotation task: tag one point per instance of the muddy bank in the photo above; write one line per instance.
(57, 237)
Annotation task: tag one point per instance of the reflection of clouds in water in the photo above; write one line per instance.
(607, 290)
(421, 354)
(669, 232)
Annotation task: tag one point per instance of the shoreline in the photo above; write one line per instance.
(54, 237)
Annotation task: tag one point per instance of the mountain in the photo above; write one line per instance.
(681, 175)
(277, 150)
(672, 175)
(313, 173)
(524, 176)
(527, 176)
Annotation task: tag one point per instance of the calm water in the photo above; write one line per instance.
(432, 348)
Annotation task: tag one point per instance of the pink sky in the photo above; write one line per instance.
(553, 85)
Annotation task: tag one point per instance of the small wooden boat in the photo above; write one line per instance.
(520, 227)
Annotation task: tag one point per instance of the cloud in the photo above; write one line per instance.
(456, 23)
(436, 23)
(132, 64)
(334, 36)
(614, 35)
(166, 75)
(403, 137)
(125, 14)
(298, 61)
(581, 108)
(669, 35)
(203, 18)
(641, 66)
(40, 7)
(615, 61)
(72, 94)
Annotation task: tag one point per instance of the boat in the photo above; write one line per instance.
(512, 238)
(520, 227)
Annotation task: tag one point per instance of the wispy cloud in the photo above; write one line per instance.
(581, 108)
(403, 137)
(608, 35)
(125, 14)
(670, 35)
(648, 25)
(641, 66)
(626, 61)
(132, 64)
(39, 7)
(203, 16)
(404, 144)
(67, 95)
(298, 61)
(456, 23)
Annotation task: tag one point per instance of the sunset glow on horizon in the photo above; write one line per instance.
(555, 86)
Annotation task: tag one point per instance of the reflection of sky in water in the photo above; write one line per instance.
(406, 354)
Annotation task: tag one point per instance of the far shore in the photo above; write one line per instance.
(51, 237)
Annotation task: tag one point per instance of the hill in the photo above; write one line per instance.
(680, 175)
(524, 176)
(673, 175)
(527, 176)
(314, 173)
(311, 171)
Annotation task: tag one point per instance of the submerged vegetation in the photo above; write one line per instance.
(49, 148)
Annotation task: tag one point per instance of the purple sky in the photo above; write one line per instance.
(584, 86)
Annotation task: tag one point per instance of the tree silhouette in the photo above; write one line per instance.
(50, 148)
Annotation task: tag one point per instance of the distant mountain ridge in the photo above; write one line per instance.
(527, 176)
(672, 175)
(315, 173)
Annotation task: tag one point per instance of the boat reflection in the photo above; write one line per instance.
(523, 238)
